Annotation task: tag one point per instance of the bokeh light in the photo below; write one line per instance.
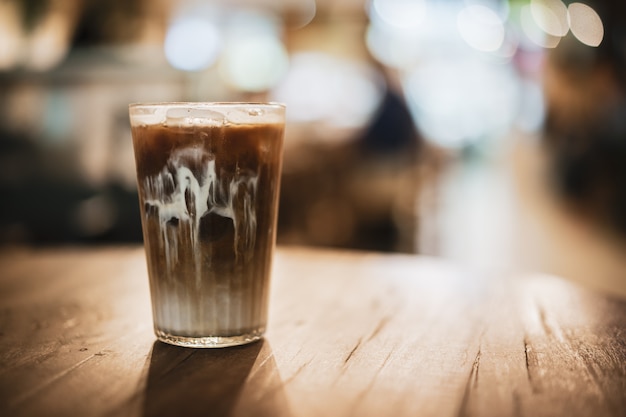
(49, 43)
(254, 63)
(585, 24)
(404, 47)
(550, 16)
(254, 58)
(396, 29)
(10, 35)
(400, 14)
(391, 48)
(481, 27)
(192, 43)
(457, 102)
(303, 13)
(534, 32)
(332, 90)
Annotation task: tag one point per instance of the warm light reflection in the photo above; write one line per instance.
(481, 28)
(10, 35)
(254, 63)
(192, 43)
(535, 33)
(49, 43)
(550, 16)
(585, 24)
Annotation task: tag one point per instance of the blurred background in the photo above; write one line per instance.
(490, 132)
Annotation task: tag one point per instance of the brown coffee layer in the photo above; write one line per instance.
(208, 200)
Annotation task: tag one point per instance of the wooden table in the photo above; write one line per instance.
(351, 334)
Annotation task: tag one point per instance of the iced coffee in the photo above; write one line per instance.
(208, 179)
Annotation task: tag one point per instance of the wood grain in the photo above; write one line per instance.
(351, 334)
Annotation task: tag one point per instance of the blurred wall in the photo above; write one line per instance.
(379, 93)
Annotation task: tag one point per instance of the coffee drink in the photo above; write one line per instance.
(208, 193)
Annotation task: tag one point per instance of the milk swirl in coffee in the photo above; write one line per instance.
(208, 195)
(176, 196)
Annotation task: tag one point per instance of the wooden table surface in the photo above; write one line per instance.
(350, 334)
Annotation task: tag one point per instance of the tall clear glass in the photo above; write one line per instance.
(208, 176)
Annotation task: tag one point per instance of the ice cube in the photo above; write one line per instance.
(244, 116)
(256, 112)
(186, 116)
(253, 115)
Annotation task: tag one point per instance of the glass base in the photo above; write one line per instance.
(209, 341)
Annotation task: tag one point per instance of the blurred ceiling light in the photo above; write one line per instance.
(481, 27)
(533, 32)
(585, 24)
(49, 43)
(323, 88)
(254, 63)
(550, 16)
(192, 43)
(10, 35)
(400, 14)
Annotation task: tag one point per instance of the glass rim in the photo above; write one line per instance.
(203, 104)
